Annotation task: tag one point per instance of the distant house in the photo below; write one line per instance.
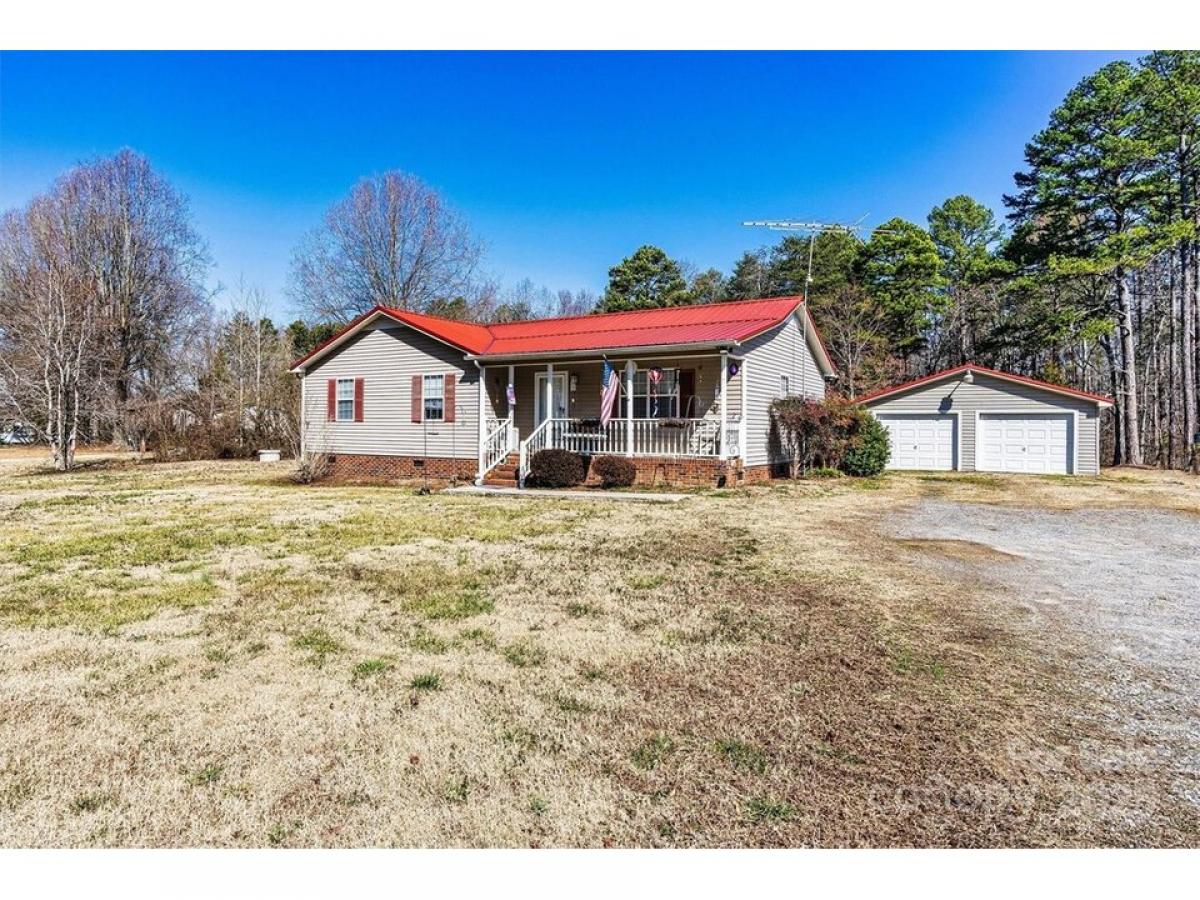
(396, 394)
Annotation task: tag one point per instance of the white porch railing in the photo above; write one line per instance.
(650, 437)
(536, 441)
(497, 444)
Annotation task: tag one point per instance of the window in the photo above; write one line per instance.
(784, 389)
(345, 399)
(653, 401)
(434, 394)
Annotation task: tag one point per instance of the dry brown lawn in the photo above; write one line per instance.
(204, 654)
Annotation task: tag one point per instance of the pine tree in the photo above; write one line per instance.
(647, 279)
(1089, 186)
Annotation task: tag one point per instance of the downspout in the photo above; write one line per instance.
(303, 413)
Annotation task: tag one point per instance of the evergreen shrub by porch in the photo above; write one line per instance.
(868, 450)
(614, 471)
(556, 469)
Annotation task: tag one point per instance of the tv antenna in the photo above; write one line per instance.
(813, 229)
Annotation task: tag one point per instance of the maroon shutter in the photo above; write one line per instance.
(416, 398)
(687, 394)
(331, 400)
(358, 399)
(448, 403)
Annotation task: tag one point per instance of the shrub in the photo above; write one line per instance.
(834, 433)
(614, 471)
(869, 449)
(556, 469)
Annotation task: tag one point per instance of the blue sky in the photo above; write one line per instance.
(563, 163)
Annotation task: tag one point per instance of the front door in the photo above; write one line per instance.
(559, 400)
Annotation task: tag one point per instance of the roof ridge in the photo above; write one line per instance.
(651, 309)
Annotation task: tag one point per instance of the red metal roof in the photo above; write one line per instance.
(983, 370)
(711, 323)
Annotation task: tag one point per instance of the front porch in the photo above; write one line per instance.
(676, 416)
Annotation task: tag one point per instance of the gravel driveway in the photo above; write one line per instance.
(1114, 594)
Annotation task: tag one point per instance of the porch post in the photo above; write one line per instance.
(743, 427)
(548, 404)
(630, 368)
(511, 407)
(481, 442)
(512, 379)
(723, 445)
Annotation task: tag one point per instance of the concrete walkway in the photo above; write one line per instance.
(535, 493)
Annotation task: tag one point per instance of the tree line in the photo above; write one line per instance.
(108, 333)
(1092, 282)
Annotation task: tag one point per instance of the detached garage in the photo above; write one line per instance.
(975, 419)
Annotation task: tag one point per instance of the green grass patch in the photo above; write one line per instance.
(581, 610)
(426, 681)
(742, 756)
(456, 789)
(208, 775)
(369, 668)
(319, 643)
(646, 582)
(653, 752)
(768, 809)
(102, 601)
(568, 704)
(525, 653)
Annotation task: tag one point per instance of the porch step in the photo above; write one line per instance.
(505, 473)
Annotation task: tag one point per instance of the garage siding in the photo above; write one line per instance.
(989, 394)
(780, 351)
(387, 358)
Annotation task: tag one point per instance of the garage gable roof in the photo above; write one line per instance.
(1098, 399)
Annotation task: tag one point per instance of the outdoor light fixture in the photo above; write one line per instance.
(969, 378)
(574, 383)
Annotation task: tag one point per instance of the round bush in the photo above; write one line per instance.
(556, 469)
(614, 471)
(869, 450)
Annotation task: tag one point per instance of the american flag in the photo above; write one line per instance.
(610, 386)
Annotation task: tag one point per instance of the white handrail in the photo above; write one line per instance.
(497, 444)
(537, 440)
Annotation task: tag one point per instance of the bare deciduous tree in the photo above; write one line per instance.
(47, 324)
(147, 264)
(393, 241)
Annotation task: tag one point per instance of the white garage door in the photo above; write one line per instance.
(920, 442)
(1024, 443)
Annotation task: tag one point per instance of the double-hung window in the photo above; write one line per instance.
(784, 388)
(434, 394)
(345, 399)
(654, 400)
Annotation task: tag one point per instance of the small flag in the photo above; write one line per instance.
(610, 387)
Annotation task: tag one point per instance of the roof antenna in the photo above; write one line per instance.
(812, 229)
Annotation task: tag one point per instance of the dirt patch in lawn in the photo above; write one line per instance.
(956, 549)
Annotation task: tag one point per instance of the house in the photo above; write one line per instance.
(974, 419)
(396, 394)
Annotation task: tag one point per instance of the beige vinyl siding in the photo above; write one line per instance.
(780, 351)
(584, 401)
(387, 358)
(990, 394)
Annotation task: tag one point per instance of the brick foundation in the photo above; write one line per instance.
(651, 470)
(356, 467)
(663, 470)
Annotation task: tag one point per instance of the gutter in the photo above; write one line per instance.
(600, 352)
